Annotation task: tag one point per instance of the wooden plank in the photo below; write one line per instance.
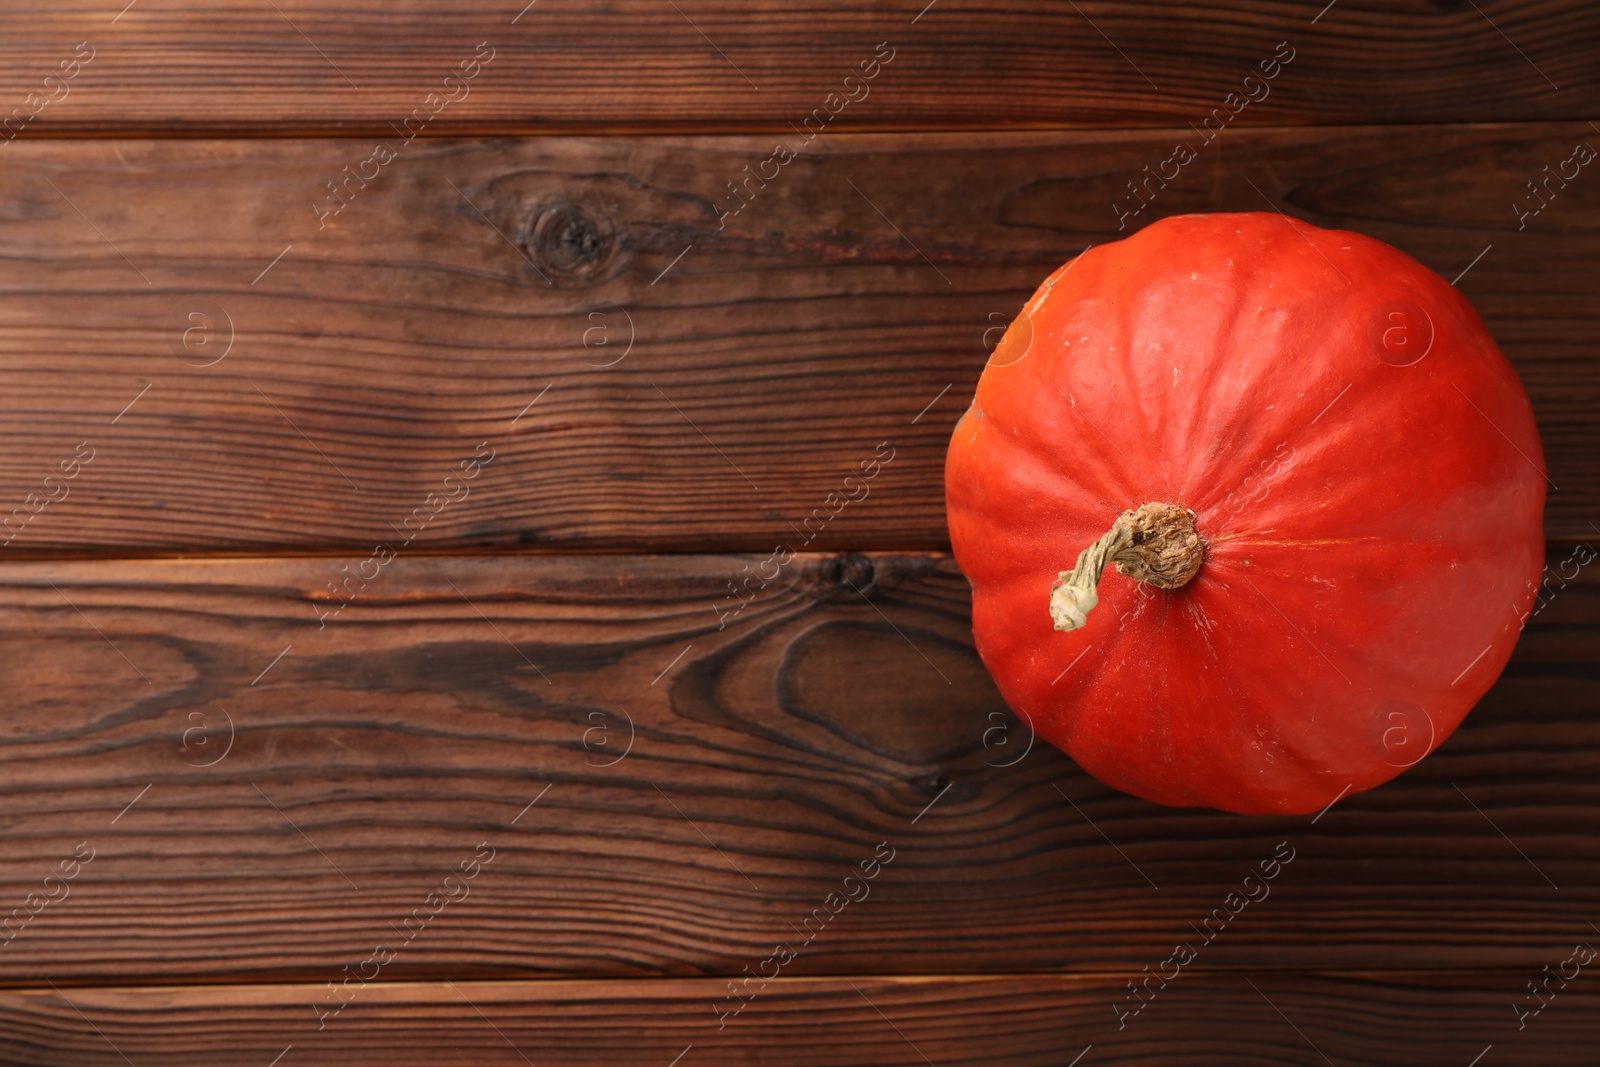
(235, 65)
(646, 378)
(222, 786)
(1440, 1019)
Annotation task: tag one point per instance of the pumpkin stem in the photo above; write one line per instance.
(1156, 544)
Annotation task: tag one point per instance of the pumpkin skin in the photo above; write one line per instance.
(1366, 478)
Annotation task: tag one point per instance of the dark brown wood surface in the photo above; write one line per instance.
(264, 794)
(263, 67)
(1248, 1019)
(249, 382)
(537, 789)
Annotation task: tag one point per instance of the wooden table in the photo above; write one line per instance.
(397, 399)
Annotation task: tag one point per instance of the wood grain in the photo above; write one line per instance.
(263, 797)
(647, 378)
(305, 66)
(520, 791)
(1440, 1019)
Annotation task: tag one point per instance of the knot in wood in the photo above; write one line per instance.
(572, 242)
(852, 573)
